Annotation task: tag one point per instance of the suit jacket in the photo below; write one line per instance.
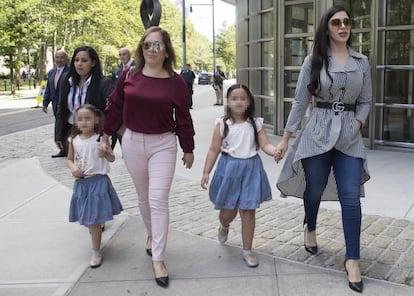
(115, 75)
(105, 88)
(52, 93)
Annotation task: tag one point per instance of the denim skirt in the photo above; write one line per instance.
(239, 183)
(94, 201)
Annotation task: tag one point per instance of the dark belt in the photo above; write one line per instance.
(337, 107)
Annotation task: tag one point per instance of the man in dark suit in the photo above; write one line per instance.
(52, 87)
(189, 76)
(125, 62)
(218, 78)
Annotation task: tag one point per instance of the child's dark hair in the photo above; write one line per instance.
(98, 113)
(248, 115)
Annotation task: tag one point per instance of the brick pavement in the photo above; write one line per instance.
(387, 244)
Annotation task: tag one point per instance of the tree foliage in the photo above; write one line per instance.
(106, 25)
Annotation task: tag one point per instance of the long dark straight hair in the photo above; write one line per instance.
(321, 49)
(96, 73)
(248, 115)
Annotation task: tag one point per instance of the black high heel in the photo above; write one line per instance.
(162, 281)
(313, 250)
(148, 250)
(355, 286)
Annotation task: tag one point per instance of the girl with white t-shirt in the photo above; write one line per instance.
(94, 199)
(240, 183)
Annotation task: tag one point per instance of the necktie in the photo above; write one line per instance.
(55, 80)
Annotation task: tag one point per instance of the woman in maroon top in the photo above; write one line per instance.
(149, 107)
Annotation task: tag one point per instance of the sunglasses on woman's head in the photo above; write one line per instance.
(156, 45)
(346, 22)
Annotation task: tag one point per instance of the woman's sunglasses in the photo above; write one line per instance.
(346, 22)
(157, 46)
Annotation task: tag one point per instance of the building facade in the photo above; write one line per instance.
(274, 37)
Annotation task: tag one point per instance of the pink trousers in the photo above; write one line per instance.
(150, 160)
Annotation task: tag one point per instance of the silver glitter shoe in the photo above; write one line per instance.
(251, 260)
(223, 238)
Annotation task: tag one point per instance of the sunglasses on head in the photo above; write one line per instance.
(156, 45)
(346, 22)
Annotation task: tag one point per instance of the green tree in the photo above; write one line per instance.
(226, 47)
(18, 25)
(40, 26)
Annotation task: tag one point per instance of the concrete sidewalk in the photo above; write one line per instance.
(42, 254)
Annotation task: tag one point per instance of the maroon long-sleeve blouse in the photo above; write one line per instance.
(151, 106)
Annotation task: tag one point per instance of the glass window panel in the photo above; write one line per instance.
(267, 83)
(243, 8)
(398, 125)
(286, 109)
(267, 25)
(267, 110)
(400, 12)
(399, 86)
(291, 78)
(268, 55)
(254, 50)
(296, 49)
(359, 10)
(361, 42)
(267, 4)
(299, 18)
(399, 48)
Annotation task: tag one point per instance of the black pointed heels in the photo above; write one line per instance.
(161, 281)
(355, 286)
(311, 249)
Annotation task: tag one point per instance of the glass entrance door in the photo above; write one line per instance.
(395, 74)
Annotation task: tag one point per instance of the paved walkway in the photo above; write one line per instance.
(195, 260)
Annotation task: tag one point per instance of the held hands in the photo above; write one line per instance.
(280, 151)
(188, 159)
(105, 150)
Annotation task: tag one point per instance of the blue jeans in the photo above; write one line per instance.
(347, 171)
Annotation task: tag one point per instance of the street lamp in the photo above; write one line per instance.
(214, 31)
(184, 41)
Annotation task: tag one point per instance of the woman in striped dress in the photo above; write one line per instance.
(327, 160)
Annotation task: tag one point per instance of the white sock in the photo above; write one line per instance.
(246, 252)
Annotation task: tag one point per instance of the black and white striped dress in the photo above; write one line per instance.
(325, 129)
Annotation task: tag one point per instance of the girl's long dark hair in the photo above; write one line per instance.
(321, 49)
(248, 115)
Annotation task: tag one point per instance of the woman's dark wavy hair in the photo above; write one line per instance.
(169, 61)
(321, 48)
(96, 73)
(248, 115)
(98, 113)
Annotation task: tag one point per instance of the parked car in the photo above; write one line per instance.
(205, 78)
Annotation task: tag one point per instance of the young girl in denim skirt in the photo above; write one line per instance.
(240, 183)
(94, 199)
